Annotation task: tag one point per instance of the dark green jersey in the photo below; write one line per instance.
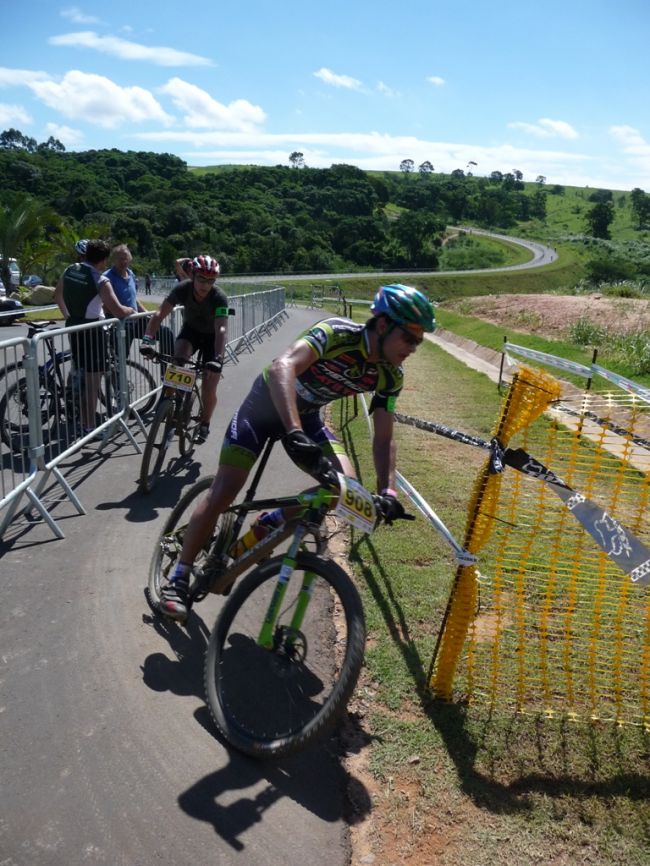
(199, 315)
(80, 293)
(342, 367)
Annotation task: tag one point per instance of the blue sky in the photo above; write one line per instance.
(559, 89)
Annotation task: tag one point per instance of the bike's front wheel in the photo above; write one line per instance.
(159, 439)
(274, 695)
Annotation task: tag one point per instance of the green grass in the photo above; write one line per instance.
(460, 785)
(492, 336)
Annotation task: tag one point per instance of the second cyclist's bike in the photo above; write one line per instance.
(178, 414)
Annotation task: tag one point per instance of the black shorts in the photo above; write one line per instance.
(90, 350)
(257, 420)
(200, 342)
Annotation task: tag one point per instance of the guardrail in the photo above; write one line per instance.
(41, 403)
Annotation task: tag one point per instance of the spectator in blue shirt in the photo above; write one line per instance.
(125, 286)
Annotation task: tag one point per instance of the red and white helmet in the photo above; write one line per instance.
(206, 266)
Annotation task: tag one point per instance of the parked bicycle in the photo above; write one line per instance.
(179, 413)
(60, 388)
(285, 653)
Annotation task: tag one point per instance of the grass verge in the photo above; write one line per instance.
(451, 784)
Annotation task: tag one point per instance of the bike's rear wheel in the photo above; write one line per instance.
(273, 702)
(14, 413)
(170, 541)
(139, 382)
(159, 439)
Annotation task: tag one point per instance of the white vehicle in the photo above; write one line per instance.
(15, 276)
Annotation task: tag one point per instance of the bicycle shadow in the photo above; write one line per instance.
(144, 507)
(208, 799)
(292, 777)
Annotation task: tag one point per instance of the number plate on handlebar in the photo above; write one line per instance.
(179, 378)
(356, 505)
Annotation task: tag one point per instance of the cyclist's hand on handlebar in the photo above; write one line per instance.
(306, 454)
(147, 347)
(390, 508)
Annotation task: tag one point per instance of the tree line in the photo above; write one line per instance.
(254, 219)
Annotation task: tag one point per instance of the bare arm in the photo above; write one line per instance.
(158, 317)
(282, 382)
(384, 449)
(110, 301)
(179, 267)
(220, 336)
(58, 298)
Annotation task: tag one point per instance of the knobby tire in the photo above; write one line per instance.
(264, 702)
(158, 441)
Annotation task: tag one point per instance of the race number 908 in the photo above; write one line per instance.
(356, 502)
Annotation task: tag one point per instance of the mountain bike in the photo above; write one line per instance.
(178, 413)
(60, 388)
(286, 650)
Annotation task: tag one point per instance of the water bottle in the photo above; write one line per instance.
(267, 521)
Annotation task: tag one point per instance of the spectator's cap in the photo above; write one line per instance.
(81, 246)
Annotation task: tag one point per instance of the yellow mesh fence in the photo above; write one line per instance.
(552, 624)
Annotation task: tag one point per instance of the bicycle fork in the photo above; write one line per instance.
(266, 637)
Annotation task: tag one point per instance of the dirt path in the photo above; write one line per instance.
(552, 315)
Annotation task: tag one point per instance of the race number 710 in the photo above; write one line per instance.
(179, 378)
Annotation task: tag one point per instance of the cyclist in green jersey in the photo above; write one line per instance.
(336, 357)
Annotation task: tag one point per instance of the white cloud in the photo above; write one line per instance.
(125, 50)
(202, 111)
(13, 114)
(98, 100)
(67, 136)
(74, 14)
(637, 150)
(334, 80)
(387, 91)
(376, 151)
(435, 79)
(546, 128)
(19, 77)
(631, 140)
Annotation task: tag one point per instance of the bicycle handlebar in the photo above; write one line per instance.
(174, 359)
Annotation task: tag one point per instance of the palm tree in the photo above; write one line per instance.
(25, 224)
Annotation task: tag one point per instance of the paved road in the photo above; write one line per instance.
(107, 753)
(540, 255)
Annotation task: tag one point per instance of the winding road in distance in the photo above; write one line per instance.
(540, 255)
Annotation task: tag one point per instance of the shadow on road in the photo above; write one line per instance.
(144, 507)
(315, 778)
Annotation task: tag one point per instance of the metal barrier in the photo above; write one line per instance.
(45, 402)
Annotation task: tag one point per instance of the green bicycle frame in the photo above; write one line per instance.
(266, 636)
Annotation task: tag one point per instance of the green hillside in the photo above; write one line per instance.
(293, 220)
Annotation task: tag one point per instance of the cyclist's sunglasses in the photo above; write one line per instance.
(409, 337)
(203, 279)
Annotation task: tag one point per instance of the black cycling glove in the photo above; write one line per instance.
(390, 509)
(148, 347)
(306, 454)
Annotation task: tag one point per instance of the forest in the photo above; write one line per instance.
(281, 219)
